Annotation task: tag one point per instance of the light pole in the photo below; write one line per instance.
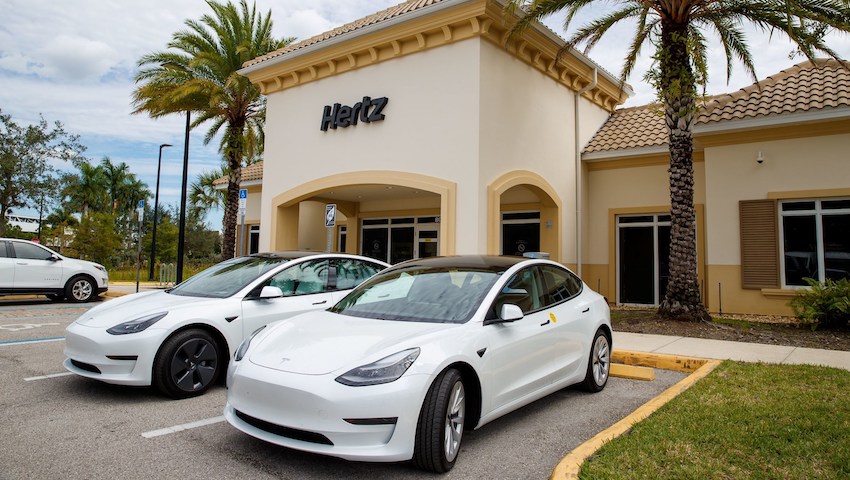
(181, 234)
(155, 207)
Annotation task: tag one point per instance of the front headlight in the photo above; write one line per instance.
(385, 370)
(243, 347)
(137, 325)
(101, 268)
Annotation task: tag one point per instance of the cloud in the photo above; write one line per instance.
(73, 58)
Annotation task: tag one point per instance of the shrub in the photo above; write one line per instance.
(824, 305)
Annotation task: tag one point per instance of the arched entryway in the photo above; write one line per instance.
(524, 215)
(397, 215)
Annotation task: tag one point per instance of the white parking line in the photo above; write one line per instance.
(45, 377)
(180, 428)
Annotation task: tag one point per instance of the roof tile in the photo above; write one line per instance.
(802, 88)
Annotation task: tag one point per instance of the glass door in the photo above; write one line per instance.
(643, 250)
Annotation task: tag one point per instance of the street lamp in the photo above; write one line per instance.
(155, 207)
(181, 234)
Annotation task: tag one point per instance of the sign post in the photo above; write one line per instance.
(330, 223)
(243, 203)
(141, 211)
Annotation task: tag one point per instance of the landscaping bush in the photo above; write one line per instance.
(824, 305)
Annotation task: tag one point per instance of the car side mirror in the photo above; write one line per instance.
(54, 258)
(509, 313)
(271, 292)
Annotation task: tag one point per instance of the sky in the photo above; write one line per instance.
(74, 61)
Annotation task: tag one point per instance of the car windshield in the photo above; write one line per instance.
(226, 278)
(444, 295)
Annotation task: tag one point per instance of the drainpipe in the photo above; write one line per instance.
(578, 95)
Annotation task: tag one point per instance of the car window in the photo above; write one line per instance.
(3, 253)
(524, 289)
(30, 251)
(226, 278)
(560, 284)
(303, 278)
(351, 272)
(446, 295)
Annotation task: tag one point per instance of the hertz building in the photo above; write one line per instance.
(433, 138)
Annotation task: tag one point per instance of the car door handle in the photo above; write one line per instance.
(545, 323)
(586, 310)
(320, 303)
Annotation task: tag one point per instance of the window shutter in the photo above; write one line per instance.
(759, 244)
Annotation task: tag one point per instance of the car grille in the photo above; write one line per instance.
(282, 431)
(85, 366)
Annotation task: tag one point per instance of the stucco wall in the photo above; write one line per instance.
(430, 128)
(527, 124)
(794, 165)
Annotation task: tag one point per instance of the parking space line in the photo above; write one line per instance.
(31, 340)
(45, 377)
(185, 426)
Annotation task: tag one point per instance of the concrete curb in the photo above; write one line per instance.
(570, 466)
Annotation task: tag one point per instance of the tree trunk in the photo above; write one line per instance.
(682, 300)
(233, 152)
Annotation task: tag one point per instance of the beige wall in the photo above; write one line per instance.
(527, 123)
(429, 128)
(732, 174)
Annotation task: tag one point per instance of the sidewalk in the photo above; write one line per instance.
(726, 350)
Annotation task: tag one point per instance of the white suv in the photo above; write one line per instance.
(30, 268)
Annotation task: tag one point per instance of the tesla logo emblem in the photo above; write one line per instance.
(552, 317)
(284, 360)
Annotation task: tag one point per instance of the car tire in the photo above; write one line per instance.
(441, 422)
(80, 289)
(599, 363)
(187, 364)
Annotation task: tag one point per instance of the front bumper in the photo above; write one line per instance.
(120, 359)
(316, 414)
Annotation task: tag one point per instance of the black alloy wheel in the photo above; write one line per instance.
(187, 364)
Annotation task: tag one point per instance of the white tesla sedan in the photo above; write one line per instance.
(181, 339)
(412, 357)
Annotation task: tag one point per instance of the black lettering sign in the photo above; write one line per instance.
(367, 111)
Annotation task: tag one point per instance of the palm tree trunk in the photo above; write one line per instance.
(234, 150)
(682, 300)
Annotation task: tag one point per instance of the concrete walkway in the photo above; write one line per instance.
(726, 350)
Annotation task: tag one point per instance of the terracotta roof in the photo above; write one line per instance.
(630, 128)
(383, 15)
(801, 88)
(250, 173)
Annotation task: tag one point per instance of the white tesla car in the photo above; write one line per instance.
(421, 351)
(181, 339)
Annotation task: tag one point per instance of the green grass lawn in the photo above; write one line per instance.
(743, 421)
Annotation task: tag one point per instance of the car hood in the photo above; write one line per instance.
(137, 305)
(319, 343)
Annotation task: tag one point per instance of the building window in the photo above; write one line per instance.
(254, 239)
(815, 240)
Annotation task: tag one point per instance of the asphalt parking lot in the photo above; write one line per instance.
(57, 425)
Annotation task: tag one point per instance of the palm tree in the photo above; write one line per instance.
(676, 29)
(86, 190)
(203, 196)
(199, 74)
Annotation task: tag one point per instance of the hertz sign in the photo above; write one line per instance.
(367, 111)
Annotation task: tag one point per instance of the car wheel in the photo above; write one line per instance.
(187, 364)
(600, 363)
(440, 428)
(80, 289)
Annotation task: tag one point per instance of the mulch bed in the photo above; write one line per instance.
(749, 328)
